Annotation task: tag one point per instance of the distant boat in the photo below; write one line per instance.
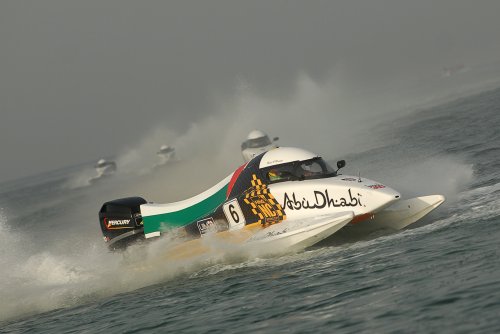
(165, 154)
(257, 142)
(451, 70)
(104, 168)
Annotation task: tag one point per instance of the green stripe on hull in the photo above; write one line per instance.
(185, 216)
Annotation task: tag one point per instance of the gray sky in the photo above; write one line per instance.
(84, 79)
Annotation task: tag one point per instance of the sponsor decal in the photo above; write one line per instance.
(271, 234)
(263, 203)
(206, 226)
(349, 179)
(321, 200)
(274, 162)
(376, 186)
(275, 233)
(115, 224)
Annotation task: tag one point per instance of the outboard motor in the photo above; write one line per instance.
(121, 222)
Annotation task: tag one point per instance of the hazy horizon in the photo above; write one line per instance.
(82, 80)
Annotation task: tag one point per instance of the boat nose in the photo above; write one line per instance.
(389, 194)
(384, 194)
(393, 193)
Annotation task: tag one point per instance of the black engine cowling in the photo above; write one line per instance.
(121, 222)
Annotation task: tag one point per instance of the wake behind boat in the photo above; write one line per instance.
(286, 196)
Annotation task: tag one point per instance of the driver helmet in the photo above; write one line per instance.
(306, 169)
(273, 175)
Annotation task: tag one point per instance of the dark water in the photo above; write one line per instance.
(441, 276)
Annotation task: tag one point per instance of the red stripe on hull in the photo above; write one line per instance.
(234, 178)
(362, 217)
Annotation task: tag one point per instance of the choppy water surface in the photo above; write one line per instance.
(440, 276)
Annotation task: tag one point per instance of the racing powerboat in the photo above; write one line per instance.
(448, 71)
(287, 197)
(104, 168)
(257, 142)
(165, 155)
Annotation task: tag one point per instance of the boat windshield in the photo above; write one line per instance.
(257, 142)
(315, 168)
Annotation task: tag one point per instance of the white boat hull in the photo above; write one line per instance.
(287, 236)
(397, 216)
(294, 235)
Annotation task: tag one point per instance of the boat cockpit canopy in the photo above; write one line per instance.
(315, 168)
(256, 142)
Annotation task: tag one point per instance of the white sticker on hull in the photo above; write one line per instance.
(234, 215)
